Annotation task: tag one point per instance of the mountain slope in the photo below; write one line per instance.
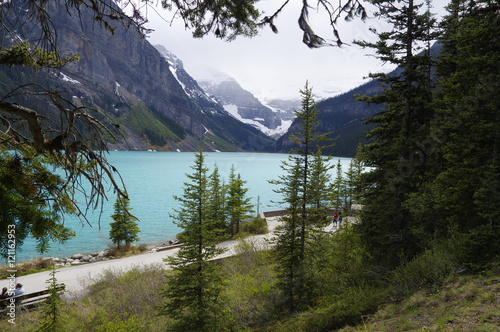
(343, 116)
(127, 79)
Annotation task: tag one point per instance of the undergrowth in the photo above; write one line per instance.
(425, 294)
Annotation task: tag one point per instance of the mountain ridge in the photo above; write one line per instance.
(125, 77)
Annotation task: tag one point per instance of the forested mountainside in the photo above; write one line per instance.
(125, 77)
(343, 116)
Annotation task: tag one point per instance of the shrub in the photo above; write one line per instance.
(32, 266)
(126, 250)
(256, 225)
(251, 291)
(117, 300)
(479, 248)
(347, 309)
(430, 268)
(339, 264)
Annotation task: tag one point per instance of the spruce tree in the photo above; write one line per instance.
(238, 205)
(217, 199)
(293, 244)
(320, 178)
(396, 154)
(462, 193)
(193, 293)
(124, 229)
(338, 189)
(52, 308)
(353, 192)
(290, 267)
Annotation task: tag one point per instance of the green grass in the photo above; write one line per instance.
(462, 303)
(35, 265)
(422, 295)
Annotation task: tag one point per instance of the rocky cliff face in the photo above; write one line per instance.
(129, 80)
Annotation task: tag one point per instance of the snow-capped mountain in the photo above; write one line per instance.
(273, 119)
(188, 84)
(148, 102)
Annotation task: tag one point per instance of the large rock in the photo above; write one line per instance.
(77, 256)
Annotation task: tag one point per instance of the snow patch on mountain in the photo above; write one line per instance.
(188, 84)
(218, 87)
(66, 78)
(257, 122)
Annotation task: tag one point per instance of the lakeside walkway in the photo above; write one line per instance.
(74, 277)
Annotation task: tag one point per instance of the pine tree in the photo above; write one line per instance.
(320, 179)
(294, 244)
(124, 229)
(238, 206)
(193, 293)
(290, 267)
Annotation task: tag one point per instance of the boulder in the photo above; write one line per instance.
(77, 256)
(86, 258)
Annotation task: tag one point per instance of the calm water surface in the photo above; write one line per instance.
(152, 179)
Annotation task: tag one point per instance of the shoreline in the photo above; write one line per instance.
(76, 277)
(157, 246)
(98, 255)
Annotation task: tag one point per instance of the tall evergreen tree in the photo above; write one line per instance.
(238, 205)
(320, 181)
(290, 267)
(300, 195)
(217, 199)
(193, 293)
(338, 192)
(352, 180)
(395, 154)
(463, 193)
(124, 229)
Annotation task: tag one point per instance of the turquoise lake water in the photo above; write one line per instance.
(152, 179)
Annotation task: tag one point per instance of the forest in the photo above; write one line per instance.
(428, 181)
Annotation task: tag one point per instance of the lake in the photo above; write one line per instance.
(152, 179)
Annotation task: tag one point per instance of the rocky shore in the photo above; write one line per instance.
(103, 255)
(81, 258)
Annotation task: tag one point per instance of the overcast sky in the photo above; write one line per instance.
(277, 65)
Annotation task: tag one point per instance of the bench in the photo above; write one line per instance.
(28, 300)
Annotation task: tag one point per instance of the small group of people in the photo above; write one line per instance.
(19, 290)
(337, 219)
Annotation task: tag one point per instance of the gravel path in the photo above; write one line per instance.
(74, 276)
